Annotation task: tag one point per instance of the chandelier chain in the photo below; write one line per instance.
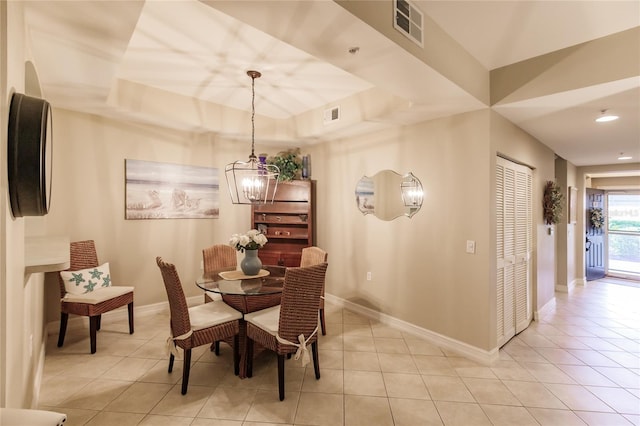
(253, 115)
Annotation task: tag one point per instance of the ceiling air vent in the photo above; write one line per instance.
(408, 20)
(331, 115)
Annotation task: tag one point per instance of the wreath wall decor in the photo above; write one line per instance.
(596, 217)
(552, 203)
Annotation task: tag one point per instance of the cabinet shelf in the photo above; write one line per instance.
(288, 223)
(283, 220)
(288, 237)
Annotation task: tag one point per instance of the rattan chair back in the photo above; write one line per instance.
(82, 255)
(299, 304)
(312, 256)
(219, 257)
(178, 307)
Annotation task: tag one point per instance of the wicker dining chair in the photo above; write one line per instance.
(314, 256)
(199, 325)
(291, 326)
(217, 258)
(93, 304)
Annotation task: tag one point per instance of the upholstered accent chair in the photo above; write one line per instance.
(85, 289)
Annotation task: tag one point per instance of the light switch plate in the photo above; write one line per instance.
(471, 246)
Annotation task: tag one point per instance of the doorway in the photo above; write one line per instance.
(514, 225)
(595, 235)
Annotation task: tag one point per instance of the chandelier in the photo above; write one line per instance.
(251, 182)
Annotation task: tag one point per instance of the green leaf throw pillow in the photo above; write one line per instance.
(86, 280)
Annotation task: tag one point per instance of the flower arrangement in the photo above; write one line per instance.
(552, 203)
(252, 240)
(596, 217)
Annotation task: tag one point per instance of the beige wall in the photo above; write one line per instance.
(511, 142)
(421, 273)
(21, 296)
(616, 182)
(89, 196)
(568, 246)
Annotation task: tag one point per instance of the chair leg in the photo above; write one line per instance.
(130, 309)
(171, 359)
(215, 347)
(99, 322)
(185, 370)
(248, 353)
(322, 324)
(93, 328)
(316, 361)
(236, 354)
(281, 376)
(64, 317)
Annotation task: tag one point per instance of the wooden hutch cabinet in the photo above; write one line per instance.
(288, 223)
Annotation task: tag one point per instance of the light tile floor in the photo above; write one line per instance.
(578, 365)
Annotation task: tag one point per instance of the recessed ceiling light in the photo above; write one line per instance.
(604, 117)
(624, 157)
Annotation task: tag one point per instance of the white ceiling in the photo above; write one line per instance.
(90, 54)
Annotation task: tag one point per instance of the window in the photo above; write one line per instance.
(623, 226)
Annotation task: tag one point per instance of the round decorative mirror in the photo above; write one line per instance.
(388, 195)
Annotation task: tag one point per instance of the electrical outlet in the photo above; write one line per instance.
(471, 246)
(369, 276)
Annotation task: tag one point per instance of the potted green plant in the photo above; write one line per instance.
(289, 163)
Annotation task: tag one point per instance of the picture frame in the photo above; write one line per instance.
(155, 190)
(573, 205)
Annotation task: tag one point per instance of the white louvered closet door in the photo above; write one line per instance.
(514, 242)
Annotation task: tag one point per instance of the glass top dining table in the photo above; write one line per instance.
(246, 295)
(241, 287)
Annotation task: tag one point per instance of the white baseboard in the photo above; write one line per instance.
(479, 355)
(76, 321)
(37, 381)
(547, 308)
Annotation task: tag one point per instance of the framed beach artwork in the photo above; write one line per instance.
(170, 191)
